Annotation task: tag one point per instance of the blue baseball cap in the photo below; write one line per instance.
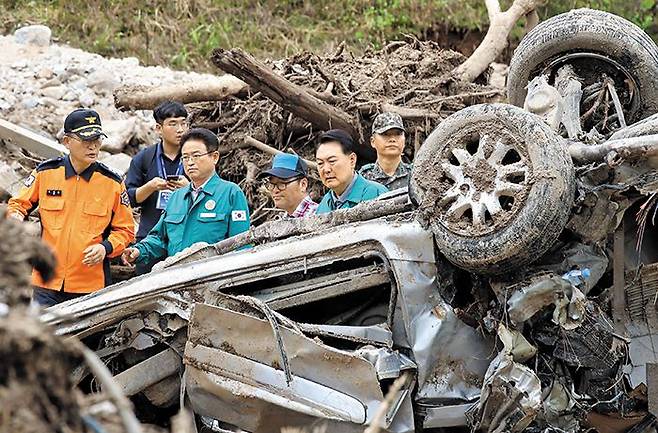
(286, 166)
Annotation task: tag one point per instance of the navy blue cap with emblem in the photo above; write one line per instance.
(84, 123)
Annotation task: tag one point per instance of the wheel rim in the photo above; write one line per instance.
(485, 182)
(591, 67)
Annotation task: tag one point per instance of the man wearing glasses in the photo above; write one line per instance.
(287, 182)
(85, 212)
(156, 171)
(209, 209)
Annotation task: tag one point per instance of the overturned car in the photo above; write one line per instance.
(510, 288)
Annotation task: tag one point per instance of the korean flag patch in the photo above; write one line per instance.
(29, 181)
(125, 200)
(239, 215)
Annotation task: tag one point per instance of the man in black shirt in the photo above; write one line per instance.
(156, 171)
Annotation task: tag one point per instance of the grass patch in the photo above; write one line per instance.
(183, 33)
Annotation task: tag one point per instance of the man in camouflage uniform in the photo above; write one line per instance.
(388, 140)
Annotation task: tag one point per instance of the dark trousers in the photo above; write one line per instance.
(48, 298)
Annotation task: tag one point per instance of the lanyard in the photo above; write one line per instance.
(159, 156)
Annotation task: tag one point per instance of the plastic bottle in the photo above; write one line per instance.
(577, 277)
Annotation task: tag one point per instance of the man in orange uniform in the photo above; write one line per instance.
(85, 212)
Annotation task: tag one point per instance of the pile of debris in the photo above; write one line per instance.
(290, 101)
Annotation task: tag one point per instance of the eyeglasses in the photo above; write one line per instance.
(183, 124)
(280, 186)
(193, 157)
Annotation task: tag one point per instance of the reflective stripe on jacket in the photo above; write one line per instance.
(77, 211)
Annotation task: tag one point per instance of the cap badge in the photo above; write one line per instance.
(90, 119)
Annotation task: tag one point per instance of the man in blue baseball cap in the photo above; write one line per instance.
(287, 182)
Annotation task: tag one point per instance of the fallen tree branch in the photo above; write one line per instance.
(495, 41)
(287, 95)
(257, 144)
(648, 126)
(147, 98)
(239, 123)
(627, 148)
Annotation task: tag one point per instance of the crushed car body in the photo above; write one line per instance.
(231, 356)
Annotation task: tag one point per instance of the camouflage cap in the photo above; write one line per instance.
(385, 121)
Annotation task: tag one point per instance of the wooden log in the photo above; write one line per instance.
(147, 98)
(627, 148)
(289, 96)
(248, 141)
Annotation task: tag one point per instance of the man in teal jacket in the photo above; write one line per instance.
(209, 209)
(336, 162)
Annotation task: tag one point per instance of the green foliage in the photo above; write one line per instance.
(183, 33)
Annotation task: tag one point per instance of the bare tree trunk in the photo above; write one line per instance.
(626, 148)
(145, 98)
(495, 41)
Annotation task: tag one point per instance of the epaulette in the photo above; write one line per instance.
(49, 164)
(109, 172)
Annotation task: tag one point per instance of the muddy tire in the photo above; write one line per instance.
(495, 185)
(594, 43)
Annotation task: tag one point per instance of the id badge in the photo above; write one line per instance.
(163, 198)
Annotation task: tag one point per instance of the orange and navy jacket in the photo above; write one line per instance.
(77, 211)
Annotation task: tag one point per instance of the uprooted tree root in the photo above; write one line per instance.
(19, 252)
(36, 390)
